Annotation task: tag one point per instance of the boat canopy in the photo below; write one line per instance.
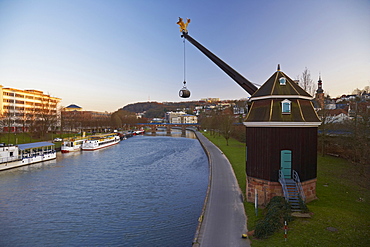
(99, 136)
(34, 145)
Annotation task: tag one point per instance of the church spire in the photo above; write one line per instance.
(320, 99)
(319, 85)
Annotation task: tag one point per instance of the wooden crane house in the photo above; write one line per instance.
(281, 135)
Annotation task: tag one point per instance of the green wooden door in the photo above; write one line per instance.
(286, 163)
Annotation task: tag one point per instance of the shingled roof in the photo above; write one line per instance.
(266, 108)
(272, 87)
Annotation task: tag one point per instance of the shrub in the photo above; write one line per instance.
(277, 211)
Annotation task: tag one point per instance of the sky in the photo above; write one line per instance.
(104, 54)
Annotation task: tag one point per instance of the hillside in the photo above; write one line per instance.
(157, 110)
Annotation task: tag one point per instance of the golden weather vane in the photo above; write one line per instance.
(183, 25)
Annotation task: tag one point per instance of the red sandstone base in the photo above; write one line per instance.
(267, 190)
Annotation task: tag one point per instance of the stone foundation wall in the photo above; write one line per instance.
(309, 189)
(267, 190)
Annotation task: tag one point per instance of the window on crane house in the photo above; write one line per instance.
(286, 106)
(282, 81)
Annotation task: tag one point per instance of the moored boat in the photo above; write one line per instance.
(72, 144)
(100, 141)
(139, 132)
(12, 156)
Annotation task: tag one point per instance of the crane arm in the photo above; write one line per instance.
(238, 78)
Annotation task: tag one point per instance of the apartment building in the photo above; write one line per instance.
(21, 109)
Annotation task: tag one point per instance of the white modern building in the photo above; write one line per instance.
(20, 108)
(180, 118)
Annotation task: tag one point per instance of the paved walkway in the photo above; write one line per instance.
(223, 220)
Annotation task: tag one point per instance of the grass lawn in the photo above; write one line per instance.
(16, 138)
(341, 214)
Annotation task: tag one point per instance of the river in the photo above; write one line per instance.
(144, 191)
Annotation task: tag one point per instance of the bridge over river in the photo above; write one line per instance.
(168, 126)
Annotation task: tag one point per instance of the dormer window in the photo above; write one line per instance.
(282, 81)
(286, 106)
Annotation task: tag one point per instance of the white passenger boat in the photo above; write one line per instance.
(100, 141)
(72, 144)
(12, 156)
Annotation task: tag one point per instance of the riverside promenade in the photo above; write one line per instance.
(223, 220)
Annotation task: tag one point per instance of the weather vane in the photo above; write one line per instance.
(183, 25)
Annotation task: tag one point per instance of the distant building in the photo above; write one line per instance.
(342, 108)
(336, 116)
(73, 107)
(364, 96)
(172, 117)
(75, 119)
(180, 118)
(240, 108)
(210, 100)
(189, 119)
(20, 109)
(140, 115)
(157, 120)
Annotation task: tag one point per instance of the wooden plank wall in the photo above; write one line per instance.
(264, 145)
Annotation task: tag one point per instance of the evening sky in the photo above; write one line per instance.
(105, 54)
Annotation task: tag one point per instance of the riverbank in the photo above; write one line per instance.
(223, 220)
(340, 215)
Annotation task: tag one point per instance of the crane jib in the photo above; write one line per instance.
(238, 78)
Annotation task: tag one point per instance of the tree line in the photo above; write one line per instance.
(223, 122)
(350, 138)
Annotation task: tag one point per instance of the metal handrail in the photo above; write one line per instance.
(283, 184)
(299, 185)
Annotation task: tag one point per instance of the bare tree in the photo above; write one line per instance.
(43, 117)
(122, 118)
(326, 124)
(306, 82)
(358, 91)
(209, 121)
(359, 140)
(351, 138)
(214, 123)
(7, 121)
(226, 121)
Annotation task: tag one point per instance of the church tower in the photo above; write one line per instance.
(320, 98)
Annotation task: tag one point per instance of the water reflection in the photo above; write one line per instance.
(161, 131)
(145, 191)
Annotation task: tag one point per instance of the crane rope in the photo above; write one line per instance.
(184, 63)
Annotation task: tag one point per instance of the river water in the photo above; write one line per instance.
(144, 191)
